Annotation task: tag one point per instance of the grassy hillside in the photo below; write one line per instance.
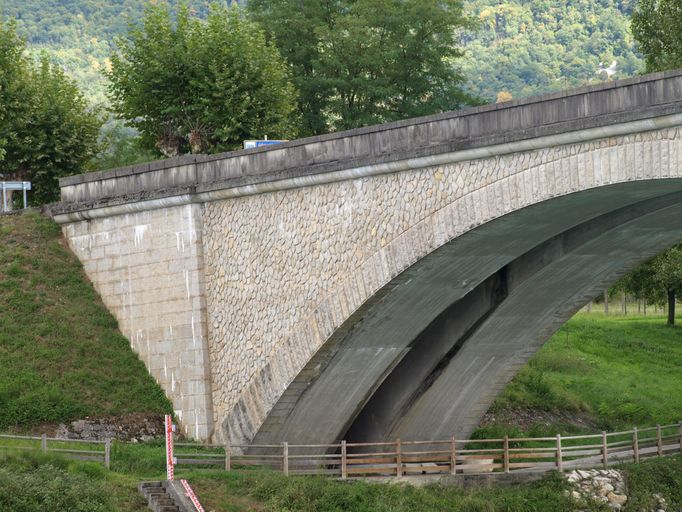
(611, 372)
(61, 354)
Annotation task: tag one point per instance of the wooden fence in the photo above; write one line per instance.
(97, 451)
(448, 456)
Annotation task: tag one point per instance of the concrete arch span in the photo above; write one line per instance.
(442, 339)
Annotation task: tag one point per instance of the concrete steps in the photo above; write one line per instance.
(158, 498)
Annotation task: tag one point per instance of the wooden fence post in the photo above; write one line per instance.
(604, 450)
(680, 436)
(505, 460)
(344, 460)
(107, 453)
(453, 455)
(228, 456)
(398, 458)
(285, 458)
(559, 455)
(659, 442)
(43, 442)
(635, 444)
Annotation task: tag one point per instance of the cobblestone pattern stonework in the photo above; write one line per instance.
(285, 269)
(148, 268)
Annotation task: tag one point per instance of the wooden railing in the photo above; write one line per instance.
(97, 451)
(447, 456)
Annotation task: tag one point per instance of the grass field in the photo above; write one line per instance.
(40, 483)
(616, 371)
(61, 354)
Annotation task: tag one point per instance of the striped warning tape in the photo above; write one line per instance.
(193, 497)
(170, 459)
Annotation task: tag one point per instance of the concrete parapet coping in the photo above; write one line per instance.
(526, 119)
(72, 212)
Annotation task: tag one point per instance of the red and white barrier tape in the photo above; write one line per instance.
(170, 459)
(193, 497)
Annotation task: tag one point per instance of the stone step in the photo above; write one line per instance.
(158, 499)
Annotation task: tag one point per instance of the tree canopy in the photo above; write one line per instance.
(189, 84)
(47, 129)
(526, 47)
(361, 62)
(656, 26)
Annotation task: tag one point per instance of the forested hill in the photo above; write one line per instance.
(522, 47)
(77, 34)
(527, 47)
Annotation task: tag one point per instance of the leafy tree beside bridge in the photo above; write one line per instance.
(196, 85)
(47, 129)
(656, 27)
(362, 62)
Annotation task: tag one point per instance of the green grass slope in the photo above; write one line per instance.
(61, 354)
(614, 371)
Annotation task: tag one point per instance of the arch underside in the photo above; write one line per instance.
(434, 347)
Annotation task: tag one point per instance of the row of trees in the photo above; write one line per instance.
(657, 281)
(201, 82)
(191, 84)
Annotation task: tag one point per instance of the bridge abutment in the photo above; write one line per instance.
(148, 268)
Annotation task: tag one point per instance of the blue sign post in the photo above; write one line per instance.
(250, 144)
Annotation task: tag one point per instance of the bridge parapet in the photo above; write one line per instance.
(467, 134)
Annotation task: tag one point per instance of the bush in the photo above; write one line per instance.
(47, 488)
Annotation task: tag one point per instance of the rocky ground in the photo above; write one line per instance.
(129, 427)
(605, 486)
(136, 427)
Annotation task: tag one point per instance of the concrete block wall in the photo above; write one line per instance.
(148, 269)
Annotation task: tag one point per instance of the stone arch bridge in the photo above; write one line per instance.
(383, 282)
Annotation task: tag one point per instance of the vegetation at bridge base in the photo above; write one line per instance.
(662, 476)
(596, 372)
(61, 354)
(48, 483)
(268, 491)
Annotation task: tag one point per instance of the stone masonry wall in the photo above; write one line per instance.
(285, 269)
(148, 268)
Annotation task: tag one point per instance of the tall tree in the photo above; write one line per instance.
(656, 281)
(13, 80)
(196, 85)
(657, 27)
(668, 274)
(360, 62)
(47, 127)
